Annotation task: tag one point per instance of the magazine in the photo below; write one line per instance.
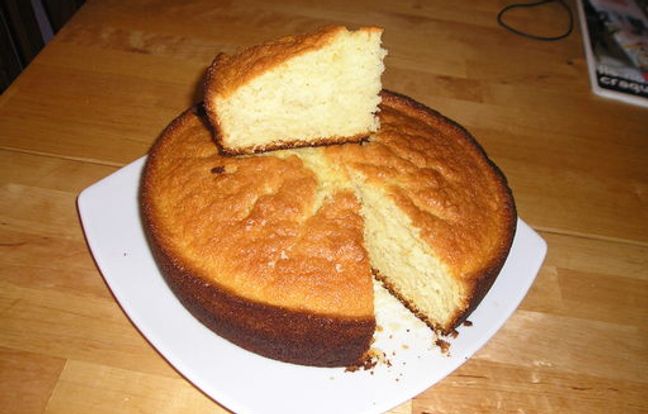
(615, 38)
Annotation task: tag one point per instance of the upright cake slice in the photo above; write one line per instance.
(315, 89)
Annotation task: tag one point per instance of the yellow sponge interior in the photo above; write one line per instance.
(328, 92)
(405, 262)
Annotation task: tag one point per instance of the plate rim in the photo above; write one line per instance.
(223, 398)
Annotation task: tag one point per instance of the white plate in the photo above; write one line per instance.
(248, 383)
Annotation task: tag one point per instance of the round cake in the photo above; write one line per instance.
(277, 252)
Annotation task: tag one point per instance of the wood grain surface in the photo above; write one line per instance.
(99, 94)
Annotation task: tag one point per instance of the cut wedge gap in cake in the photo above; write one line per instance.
(315, 89)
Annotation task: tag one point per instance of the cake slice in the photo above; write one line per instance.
(314, 89)
(439, 217)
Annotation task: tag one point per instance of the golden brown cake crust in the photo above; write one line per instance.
(246, 255)
(283, 334)
(228, 72)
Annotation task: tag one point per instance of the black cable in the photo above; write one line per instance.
(501, 22)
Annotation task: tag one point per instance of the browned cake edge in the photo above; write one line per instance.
(210, 91)
(279, 333)
(477, 290)
(476, 285)
(280, 145)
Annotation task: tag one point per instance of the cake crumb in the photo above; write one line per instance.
(443, 345)
(467, 323)
(369, 361)
(454, 333)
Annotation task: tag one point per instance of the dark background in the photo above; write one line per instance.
(25, 27)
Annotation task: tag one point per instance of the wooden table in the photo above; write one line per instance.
(98, 95)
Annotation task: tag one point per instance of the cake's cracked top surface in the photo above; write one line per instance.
(256, 226)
